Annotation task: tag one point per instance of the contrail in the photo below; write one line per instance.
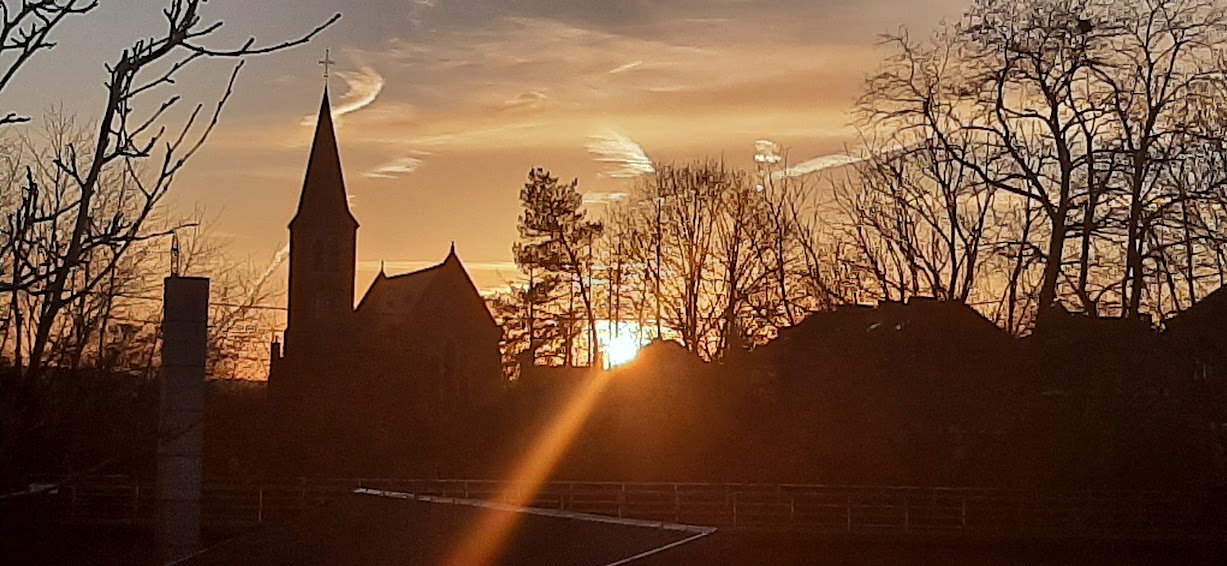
(603, 197)
(817, 164)
(629, 157)
(834, 160)
(278, 259)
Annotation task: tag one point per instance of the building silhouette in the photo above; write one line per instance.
(385, 387)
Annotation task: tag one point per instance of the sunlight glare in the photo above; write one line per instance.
(485, 541)
(620, 350)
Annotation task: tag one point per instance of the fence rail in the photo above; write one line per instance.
(905, 511)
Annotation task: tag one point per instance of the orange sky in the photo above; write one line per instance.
(445, 105)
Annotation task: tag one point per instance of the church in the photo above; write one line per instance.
(386, 387)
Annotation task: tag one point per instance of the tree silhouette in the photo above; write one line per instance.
(556, 250)
(91, 195)
(1074, 139)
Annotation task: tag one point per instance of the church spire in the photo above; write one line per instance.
(323, 245)
(323, 192)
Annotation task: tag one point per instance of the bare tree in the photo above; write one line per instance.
(1083, 114)
(920, 221)
(710, 251)
(144, 149)
(26, 28)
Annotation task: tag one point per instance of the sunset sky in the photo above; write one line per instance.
(444, 105)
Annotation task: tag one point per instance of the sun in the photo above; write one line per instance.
(620, 350)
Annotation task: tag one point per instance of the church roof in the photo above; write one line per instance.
(323, 191)
(401, 293)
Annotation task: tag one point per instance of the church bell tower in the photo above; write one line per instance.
(323, 241)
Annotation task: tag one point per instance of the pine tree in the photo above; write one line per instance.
(555, 250)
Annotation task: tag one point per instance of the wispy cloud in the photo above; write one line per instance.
(596, 197)
(836, 160)
(628, 158)
(818, 164)
(395, 168)
(362, 88)
(278, 259)
(532, 100)
(625, 68)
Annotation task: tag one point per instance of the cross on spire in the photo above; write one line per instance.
(327, 62)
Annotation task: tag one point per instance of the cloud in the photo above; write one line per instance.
(767, 151)
(278, 259)
(489, 276)
(395, 168)
(628, 158)
(835, 160)
(600, 197)
(531, 100)
(625, 68)
(362, 88)
(818, 164)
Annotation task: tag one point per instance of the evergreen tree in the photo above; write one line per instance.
(555, 250)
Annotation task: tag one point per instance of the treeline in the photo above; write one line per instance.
(1043, 154)
(699, 252)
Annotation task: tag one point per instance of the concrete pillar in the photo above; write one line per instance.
(185, 321)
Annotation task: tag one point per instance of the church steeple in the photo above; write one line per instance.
(323, 245)
(323, 192)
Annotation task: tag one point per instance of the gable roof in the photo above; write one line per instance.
(401, 294)
(403, 291)
(323, 190)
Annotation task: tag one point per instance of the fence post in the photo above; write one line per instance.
(848, 512)
(677, 505)
(907, 513)
(963, 502)
(260, 505)
(1021, 514)
(622, 501)
(792, 509)
(734, 496)
(136, 502)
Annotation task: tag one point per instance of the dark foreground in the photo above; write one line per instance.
(126, 546)
(364, 529)
(725, 547)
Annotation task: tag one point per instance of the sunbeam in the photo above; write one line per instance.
(485, 540)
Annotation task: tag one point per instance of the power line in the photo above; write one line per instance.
(211, 303)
